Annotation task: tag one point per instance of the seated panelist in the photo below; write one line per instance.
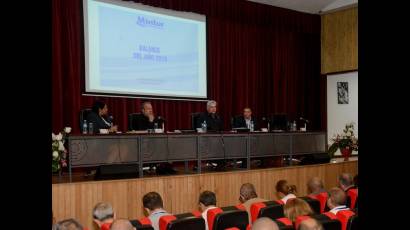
(98, 116)
(146, 120)
(244, 121)
(214, 122)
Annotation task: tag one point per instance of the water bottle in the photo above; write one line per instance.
(85, 127)
(204, 126)
(252, 126)
(90, 128)
(294, 127)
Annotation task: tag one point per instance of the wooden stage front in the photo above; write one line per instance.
(180, 193)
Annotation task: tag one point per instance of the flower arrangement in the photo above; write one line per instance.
(347, 140)
(58, 150)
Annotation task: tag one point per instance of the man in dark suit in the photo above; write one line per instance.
(244, 121)
(146, 120)
(98, 117)
(214, 122)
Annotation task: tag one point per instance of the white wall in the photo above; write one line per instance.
(338, 115)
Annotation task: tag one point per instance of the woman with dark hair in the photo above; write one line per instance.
(98, 117)
(285, 191)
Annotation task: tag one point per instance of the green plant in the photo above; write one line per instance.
(346, 140)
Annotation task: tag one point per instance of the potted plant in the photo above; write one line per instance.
(346, 142)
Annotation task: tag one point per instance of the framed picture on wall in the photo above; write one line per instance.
(342, 93)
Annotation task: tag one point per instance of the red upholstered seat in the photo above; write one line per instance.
(299, 219)
(106, 226)
(353, 194)
(227, 218)
(344, 217)
(271, 209)
(322, 197)
(192, 220)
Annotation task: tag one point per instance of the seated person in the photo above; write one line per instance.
(207, 201)
(122, 224)
(356, 181)
(67, 224)
(146, 120)
(285, 191)
(310, 224)
(337, 200)
(248, 196)
(154, 206)
(103, 214)
(315, 186)
(345, 182)
(265, 223)
(244, 121)
(213, 120)
(98, 117)
(296, 207)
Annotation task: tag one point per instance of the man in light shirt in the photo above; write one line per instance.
(154, 206)
(207, 201)
(337, 200)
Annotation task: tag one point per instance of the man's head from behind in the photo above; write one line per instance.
(264, 223)
(247, 192)
(121, 224)
(152, 201)
(103, 213)
(68, 224)
(345, 181)
(211, 106)
(207, 199)
(337, 197)
(315, 185)
(247, 113)
(310, 224)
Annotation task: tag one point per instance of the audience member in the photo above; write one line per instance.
(310, 224)
(285, 191)
(337, 200)
(346, 182)
(248, 196)
(296, 207)
(103, 214)
(207, 201)
(68, 224)
(154, 206)
(315, 186)
(265, 223)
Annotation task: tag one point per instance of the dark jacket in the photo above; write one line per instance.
(213, 122)
(98, 122)
(239, 122)
(141, 122)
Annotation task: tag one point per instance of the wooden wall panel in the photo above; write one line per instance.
(180, 193)
(339, 41)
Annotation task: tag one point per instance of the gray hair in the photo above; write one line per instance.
(67, 224)
(210, 103)
(103, 211)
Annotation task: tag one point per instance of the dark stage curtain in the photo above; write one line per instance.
(260, 56)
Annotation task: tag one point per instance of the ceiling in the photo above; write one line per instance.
(308, 6)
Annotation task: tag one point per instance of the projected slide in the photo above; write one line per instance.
(141, 52)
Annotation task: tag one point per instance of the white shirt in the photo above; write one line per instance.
(248, 123)
(205, 216)
(154, 217)
(287, 197)
(339, 208)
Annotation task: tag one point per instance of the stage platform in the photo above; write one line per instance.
(180, 193)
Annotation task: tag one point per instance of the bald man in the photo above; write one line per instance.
(346, 182)
(315, 186)
(265, 223)
(122, 224)
(337, 200)
(310, 224)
